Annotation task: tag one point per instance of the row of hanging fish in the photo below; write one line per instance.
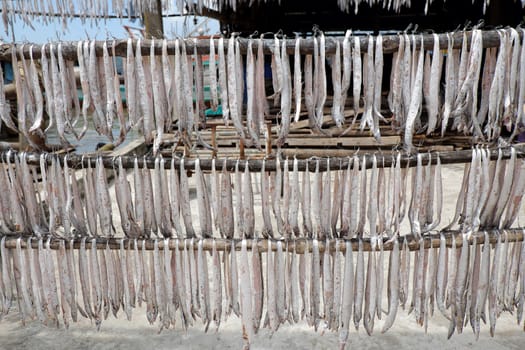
(165, 202)
(330, 289)
(47, 11)
(482, 93)
(491, 192)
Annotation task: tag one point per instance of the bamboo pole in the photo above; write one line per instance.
(390, 45)
(384, 159)
(299, 245)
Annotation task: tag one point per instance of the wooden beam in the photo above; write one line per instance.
(390, 45)
(319, 141)
(298, 245)
(384, 159)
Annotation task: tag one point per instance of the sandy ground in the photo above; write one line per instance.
(138, 334)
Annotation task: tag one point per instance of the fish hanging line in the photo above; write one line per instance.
(384, 160)
(330, 288)
(414, 103)
(296, 245)
(347, 202)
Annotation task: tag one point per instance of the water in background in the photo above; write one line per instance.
(88, 143)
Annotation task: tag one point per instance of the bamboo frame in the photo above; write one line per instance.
(296, 245)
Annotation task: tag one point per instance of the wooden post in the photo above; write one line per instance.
(269, 139)
(187, 150)
(153, 22)
(241, 149)
(214, 140)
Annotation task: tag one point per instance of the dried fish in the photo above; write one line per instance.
(238, 188)
(315, 297)
(185, 201)
(223, 82)
(234, 301)
(286, 97)
(257, 286)
(265, 202)
(336, 82)
(297, 86)
(357, 77)
(348, 295)
(212, 67)
(233, 89)
(415, 101)
(251, 117)
(272, 318)
(203, 203)
(246, 294)
(217, 286)
(248, 204)
(393, 286)
(359, 285)
(203, 282)
(228, 222)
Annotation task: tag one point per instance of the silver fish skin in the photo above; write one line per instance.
(257, 286)
(348, 295)
(246, 294)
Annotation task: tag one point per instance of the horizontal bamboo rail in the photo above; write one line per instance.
(298, 245)
(76, 161)
(390, 45)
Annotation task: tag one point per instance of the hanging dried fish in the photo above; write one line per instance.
(260, 88)
(265, 202)
(272, 318)
(203, 283)
(234, 301)
(247, 204)
(415, 100)
(337, 107)
(251, 107)
(212, 67)
(238, 199)
(359, 285)
(320, 81)
(233, 93)
(223, 82)
(378, 84)
(434, 84)
(276, 65)
(228, 222)
(348, 295)
(357, 76)
(308, 90)
(315, 296)
(297, 86)
(203, 202)
(216, 286)
(246, 295)
(185, 201)
(370, 302)
(286, 97)
(257, 286)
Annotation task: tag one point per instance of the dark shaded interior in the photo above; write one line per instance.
(300, 16)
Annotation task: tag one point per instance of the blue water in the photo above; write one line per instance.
(88, 143)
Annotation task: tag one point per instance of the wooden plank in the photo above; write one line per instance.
(137, 147)
(342, 141)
